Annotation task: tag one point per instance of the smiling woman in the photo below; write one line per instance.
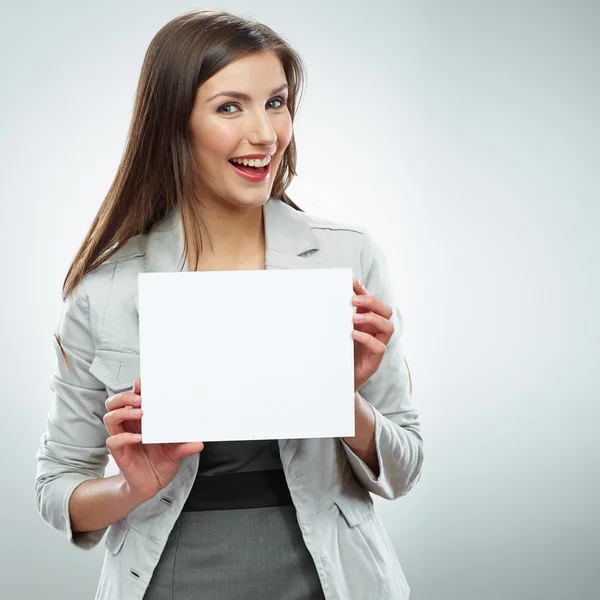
(257, 127)
(213, 86)
(210, 155)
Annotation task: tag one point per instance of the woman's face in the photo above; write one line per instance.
(241, 110)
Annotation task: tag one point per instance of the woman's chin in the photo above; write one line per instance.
(254, 199)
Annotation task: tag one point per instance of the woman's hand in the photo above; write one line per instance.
(373, 330)
(147, 468)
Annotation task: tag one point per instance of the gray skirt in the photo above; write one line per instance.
(244, 554)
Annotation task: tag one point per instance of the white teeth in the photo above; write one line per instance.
(253, 162)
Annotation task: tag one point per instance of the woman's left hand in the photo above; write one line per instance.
(373, 330)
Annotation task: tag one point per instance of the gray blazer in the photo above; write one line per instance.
(330, 486)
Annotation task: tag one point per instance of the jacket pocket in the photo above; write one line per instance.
(115, 369)
(116, 535)
(354, 503)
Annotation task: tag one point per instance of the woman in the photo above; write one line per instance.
(289, 519)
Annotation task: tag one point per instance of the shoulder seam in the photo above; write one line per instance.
(339, 228)
(118, 259)
(121, 255)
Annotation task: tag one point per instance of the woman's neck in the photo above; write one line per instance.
(232, 238)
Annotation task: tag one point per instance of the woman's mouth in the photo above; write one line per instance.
(252, 173)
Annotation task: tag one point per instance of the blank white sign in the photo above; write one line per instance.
(246, 355)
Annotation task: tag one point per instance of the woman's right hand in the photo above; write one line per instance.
(147, 468)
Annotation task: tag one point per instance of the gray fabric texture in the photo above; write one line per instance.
(242, 554)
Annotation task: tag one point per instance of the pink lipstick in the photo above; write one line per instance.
(253, 174)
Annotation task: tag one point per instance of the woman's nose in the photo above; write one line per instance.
(261, 131)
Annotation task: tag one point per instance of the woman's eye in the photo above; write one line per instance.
(227, 112)
(280, 100)
(227, 108)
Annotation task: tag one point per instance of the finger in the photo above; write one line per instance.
(363, 325)
(374, 345)
(373, 304)
(360, 290)
(187, 448)
(358, 286)
(116, 443)
(178, 450)
(382, 328)
(123, 399)
(114, 419)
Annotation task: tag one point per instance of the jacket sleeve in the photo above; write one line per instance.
(73, 447)
(388, 391)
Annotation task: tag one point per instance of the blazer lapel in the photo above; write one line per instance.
(290, 241)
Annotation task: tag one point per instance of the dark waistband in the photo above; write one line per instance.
(251, 489)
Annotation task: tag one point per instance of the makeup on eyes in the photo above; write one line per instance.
(279, 98)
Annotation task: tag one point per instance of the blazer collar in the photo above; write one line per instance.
(288, 238)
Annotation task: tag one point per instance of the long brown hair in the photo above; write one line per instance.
(157, 170)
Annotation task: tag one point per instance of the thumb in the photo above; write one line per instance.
(186, 448)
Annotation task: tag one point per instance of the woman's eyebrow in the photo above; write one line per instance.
(243, 96)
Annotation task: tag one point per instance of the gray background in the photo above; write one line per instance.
(465, 136)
